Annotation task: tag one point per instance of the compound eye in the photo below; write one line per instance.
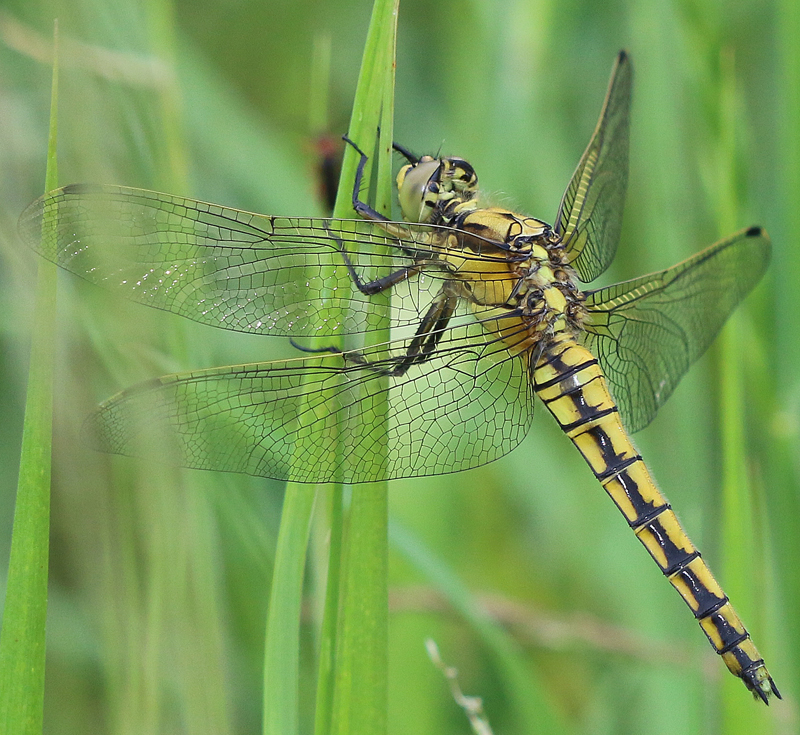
(413, 189)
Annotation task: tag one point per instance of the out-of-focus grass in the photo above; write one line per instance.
(23, 633)
(159, 578)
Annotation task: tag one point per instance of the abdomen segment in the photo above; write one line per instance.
(570, 383)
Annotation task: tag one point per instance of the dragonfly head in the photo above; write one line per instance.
(430, 188)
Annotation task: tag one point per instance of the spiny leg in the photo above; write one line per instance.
(368, 288)
(422, 346)
(436, 319)
(429, 333)
(368, 213)
(363, 209)
(405, 153)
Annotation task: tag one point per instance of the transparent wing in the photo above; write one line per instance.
(233, 269)
(648, 331)
(590, 215)
(469, 404)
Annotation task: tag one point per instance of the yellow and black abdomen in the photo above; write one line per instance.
(571, 384)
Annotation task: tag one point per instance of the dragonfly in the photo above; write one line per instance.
(487, 313)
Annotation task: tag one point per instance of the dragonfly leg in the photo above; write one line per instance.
(314, 350)
(369, 288)
(368, 213)
(363, 209)
(405, 153)
(426, 339)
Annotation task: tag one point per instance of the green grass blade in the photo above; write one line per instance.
(281, 694)
(319, 84)
(282, 643)
(319, 100)
(282, 649)
(361, 659)
(173, 171)
(330, 618)
(742, 568)
(368, 103)
(22, 640)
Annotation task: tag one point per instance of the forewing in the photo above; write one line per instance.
(228, 268)
(590, 215)
(647, 332)
(469, 404)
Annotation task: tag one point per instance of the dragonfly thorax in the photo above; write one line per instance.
(531, 275)
(526, 271)
(547, 292)
(435, 190)
(550, 300)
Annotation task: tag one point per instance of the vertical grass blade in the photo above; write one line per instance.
(362, 656)
(360, 692)
(282, 647)
(22, 639)
(319, 86)
(174, 171)
(364, 633)
(330, 618)
(333, 496)
(281, 695)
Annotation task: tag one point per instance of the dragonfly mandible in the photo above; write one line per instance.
(487, 312)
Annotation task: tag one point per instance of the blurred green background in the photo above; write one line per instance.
(159, 577)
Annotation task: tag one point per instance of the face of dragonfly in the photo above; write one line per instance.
(429, 186)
